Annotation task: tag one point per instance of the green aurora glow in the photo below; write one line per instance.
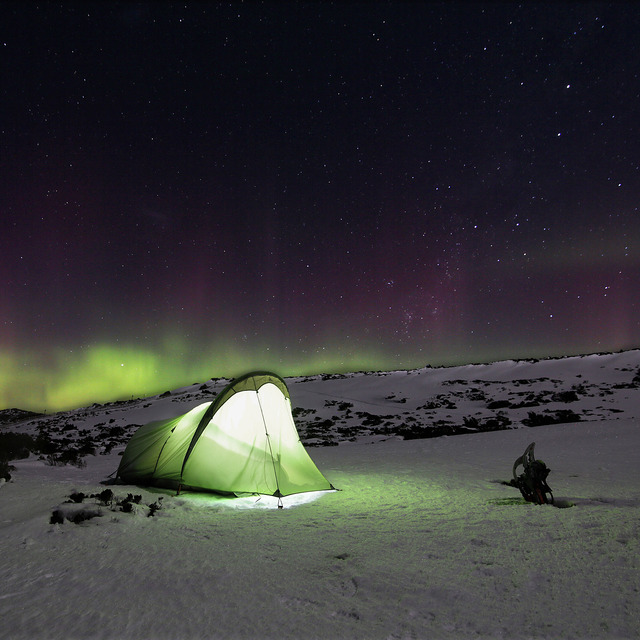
(104, 372)
(70, 378)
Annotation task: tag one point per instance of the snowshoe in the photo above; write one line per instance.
(532, 482)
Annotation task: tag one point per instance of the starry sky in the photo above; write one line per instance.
(195, 190)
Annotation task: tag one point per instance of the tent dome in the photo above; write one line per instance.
(244, 441)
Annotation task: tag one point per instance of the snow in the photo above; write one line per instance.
(422, 540)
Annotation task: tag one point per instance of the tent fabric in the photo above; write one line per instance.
(245, 441)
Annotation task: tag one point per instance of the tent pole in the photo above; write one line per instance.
(273, 462)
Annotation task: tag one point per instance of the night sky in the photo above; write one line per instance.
(194, 190)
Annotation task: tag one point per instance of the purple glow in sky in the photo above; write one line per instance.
(201, 189)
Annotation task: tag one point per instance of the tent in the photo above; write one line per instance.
(245, 441)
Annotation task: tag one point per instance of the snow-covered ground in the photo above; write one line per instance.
(422, 541)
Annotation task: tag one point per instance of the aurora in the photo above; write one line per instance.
(194, 191)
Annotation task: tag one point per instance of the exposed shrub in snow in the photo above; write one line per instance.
(499, 404)
(5, 469)
(127, 507)
(57, 517)
(68, 456)
(531, 400)
(106, 497)
(45, 445)
(16, 446)
(321, 425)
(298, 412)
(471, 422)
(475, 395)
(155, 506)
(565, 396)
(82, 515)
(394, 398)
(128, 504)
(435, 430)
(115, 432)
(87, 447)
(580, 389)
(441, 401)
(74, 513)
(372, 419)
(556, 417)
(76, 510)
(496, 423)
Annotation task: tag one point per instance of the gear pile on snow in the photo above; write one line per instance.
(532, 482)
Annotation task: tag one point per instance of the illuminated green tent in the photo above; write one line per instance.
(244, 441)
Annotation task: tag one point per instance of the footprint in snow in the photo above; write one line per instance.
(344, 587)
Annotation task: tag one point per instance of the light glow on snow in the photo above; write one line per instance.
(244, 502)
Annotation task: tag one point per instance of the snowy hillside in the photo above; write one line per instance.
(422, 541)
